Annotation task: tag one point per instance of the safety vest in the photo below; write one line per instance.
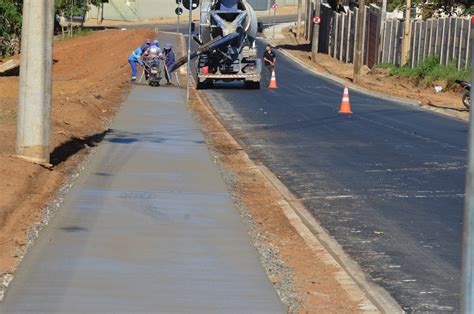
(137, 53)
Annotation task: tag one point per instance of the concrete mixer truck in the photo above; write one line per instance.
(227, 49)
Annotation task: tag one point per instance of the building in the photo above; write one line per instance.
(141, 10)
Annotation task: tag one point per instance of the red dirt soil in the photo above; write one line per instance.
(90, 79)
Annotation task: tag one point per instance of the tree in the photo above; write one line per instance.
(10, 26)
(429, 7)
(11, 18)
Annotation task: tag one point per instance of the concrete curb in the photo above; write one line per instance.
(376, 294)
(452, 113)
(350, 277)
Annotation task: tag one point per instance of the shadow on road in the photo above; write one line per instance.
(301, 47)
(448, 108)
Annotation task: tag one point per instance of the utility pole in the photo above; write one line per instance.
(315, 39)
(359, 41)
(384, 10)
(406, 35)
(274, 19)
(177, 27)
(188, 64)
(298, 24)
(34, 99)
(468, 244)
(269, 3)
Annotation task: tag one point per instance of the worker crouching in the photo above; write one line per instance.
(136, 57)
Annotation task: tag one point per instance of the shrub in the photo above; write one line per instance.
(430, 70)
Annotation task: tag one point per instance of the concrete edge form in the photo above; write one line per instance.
(351, 277)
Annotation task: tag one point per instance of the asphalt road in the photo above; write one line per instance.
(387, 183)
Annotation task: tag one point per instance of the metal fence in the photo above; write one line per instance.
(446, 38)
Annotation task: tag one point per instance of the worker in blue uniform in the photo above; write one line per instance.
(146, 45)
(135, 57)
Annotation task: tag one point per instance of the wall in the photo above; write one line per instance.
(141, 10)
(117, 10)
(152, 9)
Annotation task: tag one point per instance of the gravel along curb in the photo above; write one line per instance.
(52, 208)
(269, 255)
(48, 214)
(452, 113)
(349, 275)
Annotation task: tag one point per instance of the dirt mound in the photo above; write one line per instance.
(90, 79)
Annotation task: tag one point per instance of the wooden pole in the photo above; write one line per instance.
(359, 41)
(406, 35)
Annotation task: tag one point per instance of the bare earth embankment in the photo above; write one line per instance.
(90, 79)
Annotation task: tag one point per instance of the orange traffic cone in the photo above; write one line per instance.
(273, 81)
(345, 103)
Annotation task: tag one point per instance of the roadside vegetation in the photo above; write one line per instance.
(79, 33)
(430, 71)
(11, 20)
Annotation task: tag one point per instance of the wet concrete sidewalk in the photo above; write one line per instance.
(149, 227)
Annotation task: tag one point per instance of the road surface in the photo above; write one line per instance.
(387, 183)
(149, 228)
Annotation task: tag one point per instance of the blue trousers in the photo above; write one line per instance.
(133, 65)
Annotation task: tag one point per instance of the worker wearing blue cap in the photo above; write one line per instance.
(146, 45)
(155, 48)
(136, 57)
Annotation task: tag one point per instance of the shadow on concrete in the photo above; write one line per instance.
(71, 147)
(73, 229)
(157, 137)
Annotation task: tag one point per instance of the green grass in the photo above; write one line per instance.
(430, 70)
(79, 32)
(83, 32)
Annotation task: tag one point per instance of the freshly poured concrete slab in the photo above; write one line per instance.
(150, 227)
